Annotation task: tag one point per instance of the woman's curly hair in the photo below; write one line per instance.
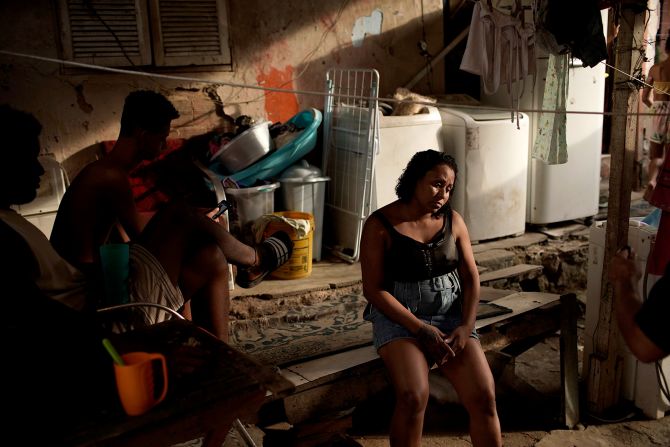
(418, 166)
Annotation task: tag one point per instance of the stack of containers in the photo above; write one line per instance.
(304, 189)
(247, 205)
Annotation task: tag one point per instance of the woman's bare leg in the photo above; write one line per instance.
(408, 371)
(471, 376)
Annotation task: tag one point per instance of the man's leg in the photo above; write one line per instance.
(194, 251)
(194, 262)
(655, 161)
(204, 283)
(175, 226)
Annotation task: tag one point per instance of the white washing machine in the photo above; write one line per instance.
(551, 197)
(400, 137)
(492, 158)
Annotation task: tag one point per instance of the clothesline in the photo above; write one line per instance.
(633, 78)
(319, 93)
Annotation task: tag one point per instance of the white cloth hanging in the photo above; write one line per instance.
(500, 49)
(550, 142)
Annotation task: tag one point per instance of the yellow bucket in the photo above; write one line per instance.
(300, 263)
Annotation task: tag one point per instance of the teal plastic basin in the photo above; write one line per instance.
(283, 157)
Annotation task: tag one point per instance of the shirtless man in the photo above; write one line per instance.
(659, 102)
(178, 242)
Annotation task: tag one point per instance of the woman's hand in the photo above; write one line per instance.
(458, 338)
(433, 341)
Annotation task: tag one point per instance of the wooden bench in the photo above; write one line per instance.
(341, 380)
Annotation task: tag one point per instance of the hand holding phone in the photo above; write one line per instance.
(222, 208)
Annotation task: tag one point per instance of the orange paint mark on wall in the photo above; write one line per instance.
(279, 106)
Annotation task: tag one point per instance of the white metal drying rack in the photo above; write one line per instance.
(351, 139)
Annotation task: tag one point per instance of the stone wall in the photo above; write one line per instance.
(289, 45)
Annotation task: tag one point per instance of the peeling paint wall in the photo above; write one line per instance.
(288, 44)
(369, 25)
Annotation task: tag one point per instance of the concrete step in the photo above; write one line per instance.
(554, 264)
(297, 312)
(495, 259)
(518, 271)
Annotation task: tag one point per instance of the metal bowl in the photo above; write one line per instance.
(246, 148)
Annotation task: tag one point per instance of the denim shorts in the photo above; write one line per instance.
(440, 294)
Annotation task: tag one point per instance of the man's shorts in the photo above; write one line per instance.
(149, 283)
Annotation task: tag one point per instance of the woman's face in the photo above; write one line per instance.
(433, 190)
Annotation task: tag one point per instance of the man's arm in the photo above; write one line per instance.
(624, 277)
(119, 196)
(646, 90)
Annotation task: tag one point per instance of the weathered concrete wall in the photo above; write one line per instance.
(289, 44)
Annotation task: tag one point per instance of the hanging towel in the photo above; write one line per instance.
(481, 56)
(500, 49)
(550, 143)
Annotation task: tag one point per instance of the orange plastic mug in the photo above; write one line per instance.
(135, 381)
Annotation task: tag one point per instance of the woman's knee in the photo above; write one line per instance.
(413, 400)
(482, 402)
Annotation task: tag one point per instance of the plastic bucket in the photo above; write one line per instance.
(300, 263)
(248, 204)
(303, 189)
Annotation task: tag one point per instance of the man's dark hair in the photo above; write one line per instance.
(15, 125)
(418, 166)
(667, 42)
(147, 110)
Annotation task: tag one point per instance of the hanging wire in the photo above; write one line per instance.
(423, 50)
(315, 92)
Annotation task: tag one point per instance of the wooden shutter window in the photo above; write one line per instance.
(190, 32)
(105, 32)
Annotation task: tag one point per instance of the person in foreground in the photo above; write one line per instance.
(60, 378)
(45, 332)
(422, 287)
(179, 243)
(642, 323)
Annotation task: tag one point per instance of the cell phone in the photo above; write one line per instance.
(223, 207)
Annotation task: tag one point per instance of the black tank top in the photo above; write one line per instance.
(410, 260)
